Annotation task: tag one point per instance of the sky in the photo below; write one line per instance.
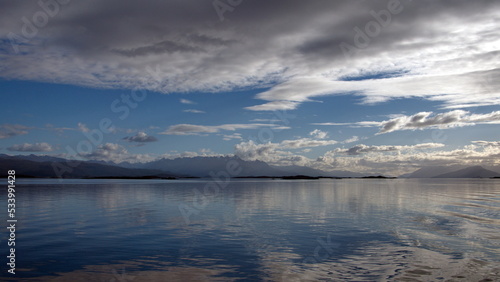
(367, 86)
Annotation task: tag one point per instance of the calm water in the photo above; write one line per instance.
(278, 230)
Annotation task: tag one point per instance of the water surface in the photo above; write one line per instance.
(279, 230)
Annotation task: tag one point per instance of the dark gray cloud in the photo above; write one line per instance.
(141, 137)
(361, 148)
(424, 120)
(432, 44)
(159, 48)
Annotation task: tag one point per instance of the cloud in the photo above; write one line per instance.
(425, 120)
(487, 143)
(194, 111)
(274, 153)
(275, 106)
(58, 130)
(395, 161)
(265, 120)
(192, 129)
(83, 127)
(351, 140)
(362, 149)
(141, 137)
(116, 153)
(36, 147)
(186, 101)
(252, 151)
(318, 134)
(305, 143)
(11, 130)
(431, 49)
(236, 136)
(355, 124)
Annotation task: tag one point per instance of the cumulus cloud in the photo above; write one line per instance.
(192, 129)
(115, 153)
(274, 153)
(318, 134)
(36, 147)
(382, 160)
(11, 130)
(141, 137)
(253, 151)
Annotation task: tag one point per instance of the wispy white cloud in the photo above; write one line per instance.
(186, 101)
(58, 130)
(275, 106)
(425, 120)
(27, 147)
(192, 129)
(454, 90)
(361, 148)
(305, 143)
(354, 124)
(11, 130)
(264, 120)
(234, 136)
(351, 140)
(83, 127)
(487, 143)
(194, 111)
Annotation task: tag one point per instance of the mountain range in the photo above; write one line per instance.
(454, 172)
(53, 167)
(50, 167)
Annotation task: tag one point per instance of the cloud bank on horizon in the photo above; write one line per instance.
(292, 54)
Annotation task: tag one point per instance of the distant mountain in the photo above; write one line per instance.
(202, 166)
(431, 171)
(34, 158)
(493, 168)
(470, 172)
(303, 170)
(39, 169)
(43, 166)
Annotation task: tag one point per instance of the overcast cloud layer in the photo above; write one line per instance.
(301, 49)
